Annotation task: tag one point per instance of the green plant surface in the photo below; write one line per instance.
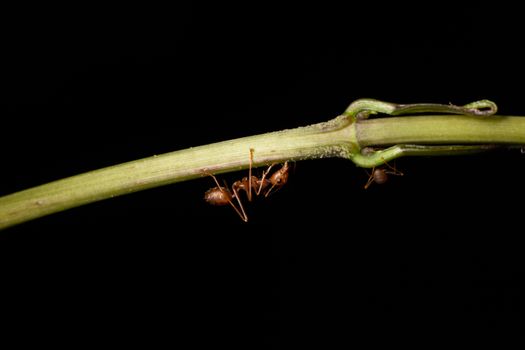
(368, 142)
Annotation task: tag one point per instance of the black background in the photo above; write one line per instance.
(433, 255)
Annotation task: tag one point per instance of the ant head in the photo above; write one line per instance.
(280, 177)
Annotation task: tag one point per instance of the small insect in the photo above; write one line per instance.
(220, 195)
(380, 175)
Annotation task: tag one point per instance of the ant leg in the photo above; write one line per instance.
(393, 170)
(268, 192)
(263, 178)
(243, 216)
(217, 182)
(370, 178)
(250, 176)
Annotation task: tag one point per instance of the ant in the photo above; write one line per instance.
(223, 196)
(380, 175)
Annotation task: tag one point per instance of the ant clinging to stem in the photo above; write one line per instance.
(220, 195)
(380, 175)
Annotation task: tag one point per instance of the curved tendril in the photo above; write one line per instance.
(361, 109)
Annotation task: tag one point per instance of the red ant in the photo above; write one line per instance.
(380, 175)
(223, 196)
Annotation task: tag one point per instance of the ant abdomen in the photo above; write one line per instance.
(217, 196)
(380, 176)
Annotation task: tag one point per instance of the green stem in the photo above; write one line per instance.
(309, 142)
(448, 129)
(344, 136)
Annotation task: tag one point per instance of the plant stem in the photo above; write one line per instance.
(450, 129)
(300, 143)
(344, 136)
